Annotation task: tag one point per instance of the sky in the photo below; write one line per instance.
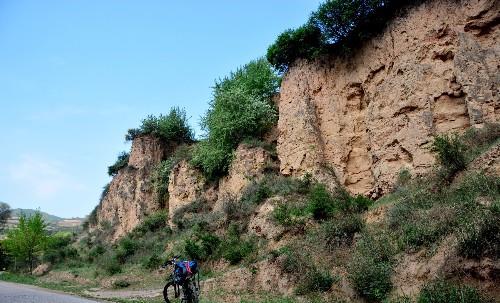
(75, 75)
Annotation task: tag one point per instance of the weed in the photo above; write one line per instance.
(370, 269)
(444, 292)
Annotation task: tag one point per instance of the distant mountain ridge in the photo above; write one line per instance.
(16, 212)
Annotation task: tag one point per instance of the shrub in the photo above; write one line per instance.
(212, 157)
(480, 236)
(450, 152)
(110, 265)
(444, 292)
(121, 284)
(315, 281)
(193, 250)
(203, 216)
(320, 203)
(241, 108)
(422, 215)
(5, 213)
(477, 140)
(126, 248)
(96, 251)
(152, 261)
(234, 249)
(338, 231)
(170, 128)
(160, 178)
(336, 27)
(202, 245)
(303, 42)
(298, 262)
(370, 269)
(152, 223)
(290, 213)
(121, 162)
(275, 185)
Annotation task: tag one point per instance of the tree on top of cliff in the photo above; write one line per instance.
(336, 27)
(173, 127)
(241, 108)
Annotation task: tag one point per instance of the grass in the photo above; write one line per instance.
(444, 292)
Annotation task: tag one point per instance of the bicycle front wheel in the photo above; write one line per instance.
(171, 293)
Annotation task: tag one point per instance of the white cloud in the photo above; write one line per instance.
(45, 178)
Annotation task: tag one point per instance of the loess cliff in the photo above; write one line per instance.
(357, 121)
(432, 71)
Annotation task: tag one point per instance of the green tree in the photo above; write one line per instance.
(241, 108)
(121, 162)
(4, 214)
(173, 127)
(27, 240)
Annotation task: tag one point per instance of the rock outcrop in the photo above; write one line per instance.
(131, 196)
(431, 71)
(248, 165)
(186, 185)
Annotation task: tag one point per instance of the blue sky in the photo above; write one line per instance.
(75, 75)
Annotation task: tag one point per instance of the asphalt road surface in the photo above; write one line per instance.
(19, 293)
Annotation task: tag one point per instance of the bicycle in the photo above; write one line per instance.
(182, 286)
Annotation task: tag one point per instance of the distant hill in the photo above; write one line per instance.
(29, 212)
(55, 223)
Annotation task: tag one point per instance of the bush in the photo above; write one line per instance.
(96, 252)
(480, 237)
(193, 250)
(298, 262)
(450, 152)
(423, 215)
(320, 203)
(370, 269)
(303, 42)
(290, 213)
(241, 108)
(234, 249)
(444, 292)
(121, 284)
(170, 128)
(338, 231)
(336, 27)
(152, 223)
(202, 245)
(477, 140)
(110, 265)
(315, 281)
(126, 248)
(121, 162)
(151, 262)
(212, 157)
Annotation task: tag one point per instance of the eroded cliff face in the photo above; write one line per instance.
(131, 196)
(188, 185)
(432, 71)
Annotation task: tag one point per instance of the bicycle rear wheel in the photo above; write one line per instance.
(171, 293)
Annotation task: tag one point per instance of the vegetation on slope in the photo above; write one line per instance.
(120, 163)
(241, 108)
(172, 127)
(337, 27)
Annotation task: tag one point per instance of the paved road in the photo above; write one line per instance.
(19, 293)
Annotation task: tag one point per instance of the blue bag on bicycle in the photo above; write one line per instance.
(185, 269)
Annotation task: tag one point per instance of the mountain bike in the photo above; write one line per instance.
(182, 285)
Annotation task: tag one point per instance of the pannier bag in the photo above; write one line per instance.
(185, 270)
